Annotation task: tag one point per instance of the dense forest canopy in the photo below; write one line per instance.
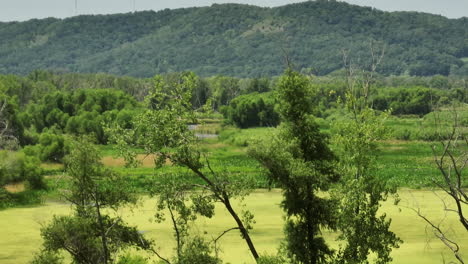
(236, 40)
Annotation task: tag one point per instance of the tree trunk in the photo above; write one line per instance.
(243, 230)
(102, 231)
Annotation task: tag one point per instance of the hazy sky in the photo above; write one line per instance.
(11, 10)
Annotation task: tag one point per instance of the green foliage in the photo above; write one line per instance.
(361, 193)
(51, 146)
(17, 167)
(24, 198)
(300, 161)
(197, 251)
(230, 39)
(252, 110)
(76, 105)
(418, 101)
(258, 85)
(177, 196)
(223, 89)
(11, 127)
(364, 230)
(81, 112)
(162, 130)
(129, 259)
(80, 237)
(88, 235)
(47, 257)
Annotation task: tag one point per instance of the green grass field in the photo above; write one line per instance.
(21, 238)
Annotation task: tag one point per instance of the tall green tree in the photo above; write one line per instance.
(364, 230)
(162, 130)
(89, 235)
(299, 160)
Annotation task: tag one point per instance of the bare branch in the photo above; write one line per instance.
(176, 230)
(224, 232)
(215, 241)
(450, 161)
(159, 256)
(452, 245)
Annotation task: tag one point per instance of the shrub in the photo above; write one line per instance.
(404, 101)
(252, 110)
(129, 259)
(197, 251)
(17, 167)
(51, 147)
(47, 257)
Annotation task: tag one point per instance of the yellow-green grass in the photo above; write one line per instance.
(20, 236)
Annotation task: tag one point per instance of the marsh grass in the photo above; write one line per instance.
(403, 163)
(432, 127)
(406, 163)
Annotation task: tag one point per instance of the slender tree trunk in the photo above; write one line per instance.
(223, 197)
(243, 230)
(176, 229)
(102, 231)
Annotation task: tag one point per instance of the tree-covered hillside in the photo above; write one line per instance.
(239, 40)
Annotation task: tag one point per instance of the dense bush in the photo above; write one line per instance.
(197, 251)
(18, 167)
(47, 257)
(418, 101)
(52, 147)
(80, 112)
(252, 110)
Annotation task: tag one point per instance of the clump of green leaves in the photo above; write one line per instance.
(299, 160)
(162, 130)
(360, 193)
(89, 235)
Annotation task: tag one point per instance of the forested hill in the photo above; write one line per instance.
(237, 40)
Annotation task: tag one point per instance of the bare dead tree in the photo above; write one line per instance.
(8, 140)
(451, 157)
(359, 79)
(441, 234)
(377, 55)
(3, 121)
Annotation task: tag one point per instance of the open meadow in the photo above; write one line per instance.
(21, 237)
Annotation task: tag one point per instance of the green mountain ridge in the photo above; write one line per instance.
(237, 40)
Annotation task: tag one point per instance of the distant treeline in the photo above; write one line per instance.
(56, 104)
(237, 40)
